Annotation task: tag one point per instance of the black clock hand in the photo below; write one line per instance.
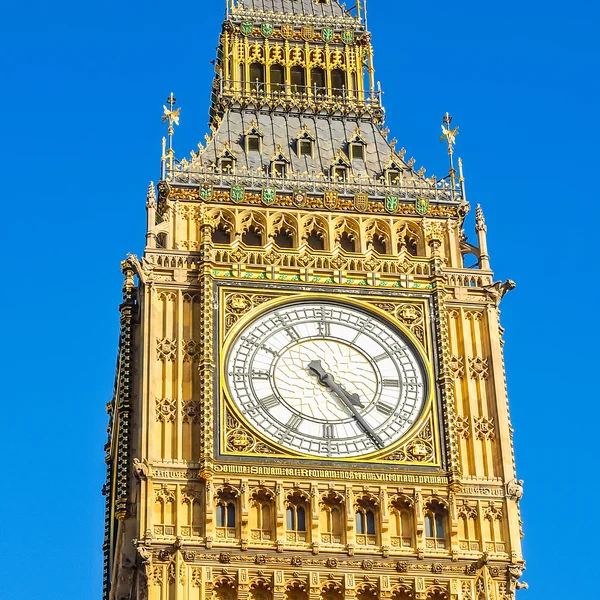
(327, 380)
(349, 400)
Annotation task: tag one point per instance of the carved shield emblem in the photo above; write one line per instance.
(206, 191)
(287, 31)
(164, 190)
(361, 202)
(268, 195)
(308, 32)
(237, 193)
(391, 203)
(327, 34)
(299, 198)
(267, 29)
(330, 199)
(246, 28)
(347, 37)
(422, 205)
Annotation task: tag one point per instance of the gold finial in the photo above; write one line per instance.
(171, 115)
(449, 136)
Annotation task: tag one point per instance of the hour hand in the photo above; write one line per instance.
(326, 379)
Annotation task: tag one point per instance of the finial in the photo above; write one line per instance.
(461, 179)
(151, 195)
(171, 115)
(449, 136)
(479, 219)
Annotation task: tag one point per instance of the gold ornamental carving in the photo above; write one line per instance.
(240, 440)
(238, 304)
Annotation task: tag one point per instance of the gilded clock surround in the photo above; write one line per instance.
(419, 446)
(198, 504)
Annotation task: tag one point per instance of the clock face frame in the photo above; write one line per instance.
(326, 379)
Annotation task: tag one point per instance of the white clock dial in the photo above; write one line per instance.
(326, 379)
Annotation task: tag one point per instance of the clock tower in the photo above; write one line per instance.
(310, 398)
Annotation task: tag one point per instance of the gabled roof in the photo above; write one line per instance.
(295, 7)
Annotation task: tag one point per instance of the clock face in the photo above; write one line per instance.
(326, 379)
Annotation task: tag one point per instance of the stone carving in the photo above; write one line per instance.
(457, 366)
(479, 368)
(514, 489)
(166, 410)
(166, 349)
(191, 411)
(484, 428)
(192, 350)
(141, 469)
(463, 427)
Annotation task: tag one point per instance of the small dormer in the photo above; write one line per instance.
(357, 146)
(392, 172)
(340, 167)
(280, 164)
(253, 138)
(305, 143)
(226, 159)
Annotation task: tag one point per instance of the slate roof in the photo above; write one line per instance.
(281, 129)
(295, 7)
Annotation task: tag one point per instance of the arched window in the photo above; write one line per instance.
(366, 509)
(338, 82)
(401, 523)
(348, 242)
(379, 244)
(226, 514)
(257, 76)
(284, 239)
(252, 236)
(365, 522)
(261, 515)
(298, 75)
(317, 77)
(315, 240)
(295, 516)
(162, 240)
(277, 78)
(332, 518)
(436, 516)
(221, 235)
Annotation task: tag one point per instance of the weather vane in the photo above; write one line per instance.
(171, 116)
(449, 136)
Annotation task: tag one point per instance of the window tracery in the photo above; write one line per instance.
(332, 517)
(261, 514)
(297, 508)
(366, 508)
(436, 524)
(402, 522)
(226, 512)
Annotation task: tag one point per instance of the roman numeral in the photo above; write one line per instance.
(391, 383)
(329, 431)
(270, 402)
(258, 374)
(324, 328)
(269, 350)
(294, 422)
(292, 333)
(381, 357)
(384, 408)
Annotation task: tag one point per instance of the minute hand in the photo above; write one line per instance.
(326, 379)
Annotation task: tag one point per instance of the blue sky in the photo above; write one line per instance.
(82, 89)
